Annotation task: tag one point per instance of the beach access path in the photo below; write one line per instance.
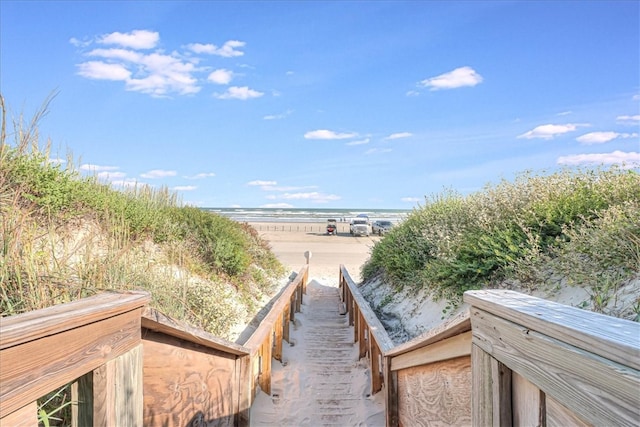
(319, 385)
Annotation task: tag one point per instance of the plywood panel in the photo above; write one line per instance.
(436, 394)
(197, 387)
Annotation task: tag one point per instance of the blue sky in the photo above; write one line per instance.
(361, 104)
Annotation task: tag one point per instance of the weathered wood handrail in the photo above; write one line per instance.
(44, 350)
(536, 362)
(266, 341)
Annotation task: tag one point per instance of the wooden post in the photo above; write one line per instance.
(112, 393)
(286, 315)
(362, 339)
(374, 351)
(356, 325)
(277, 345)
(391, 394)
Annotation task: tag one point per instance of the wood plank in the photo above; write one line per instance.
(528, 403)
(117, 391)
(613, 338)
(450, 348)
(375, 326)
(482, 400)
(559, 416)
(454, 326)
(501, 380)
(154, 320)
(197, 387)
(32, 369)
(277, 339)
(245, 391)
(376, 374)
(27, 416)
(285, 323)
(437, 394)
(604, 391)
(391, 394)
(362, 337)
(33, 325)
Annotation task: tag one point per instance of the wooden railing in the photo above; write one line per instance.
(511, 359)
(372, 338)
(96, 339)
(131, 365)
(536, 362)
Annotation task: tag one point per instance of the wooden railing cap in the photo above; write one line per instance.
(21, 328)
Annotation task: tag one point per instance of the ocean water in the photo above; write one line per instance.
(307, 215)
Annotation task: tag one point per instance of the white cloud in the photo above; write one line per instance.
(278, 116)
(328, 134)
(243, 93)
(550, 131)
(201, 175)
(227, 50)
(157, 73)
(460, 77)
(221, 76)
(602, 137)
(137, 39)
(259, 183)
(97, 168)
(412, 93)
(110, 176)
(627, 160)
(565, 113)
(636, 97)
(99, 70)
(184, 188)
(56, 161)
(158, 173)
(399, 135)
(359, 142)
(410, 199)
(631, 120)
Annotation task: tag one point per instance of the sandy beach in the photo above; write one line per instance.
(289, 241)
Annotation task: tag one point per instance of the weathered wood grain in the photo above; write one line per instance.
(603, 391)
(33, 325)
(482, 399)
(449, 348)
(31, 369)
(501, 380)
(559, 416)
(199, 385)
(528, 403)
(27, 416)
(436, 394)
(609, 337)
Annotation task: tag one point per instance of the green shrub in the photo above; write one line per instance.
(587, 220)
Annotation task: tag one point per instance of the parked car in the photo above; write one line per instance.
(332, 227)
(381, 227)
(360, 226)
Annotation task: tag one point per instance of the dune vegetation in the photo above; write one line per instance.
(65, 236)
(569, 228)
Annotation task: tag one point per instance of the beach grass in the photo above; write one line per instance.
(572, 227)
